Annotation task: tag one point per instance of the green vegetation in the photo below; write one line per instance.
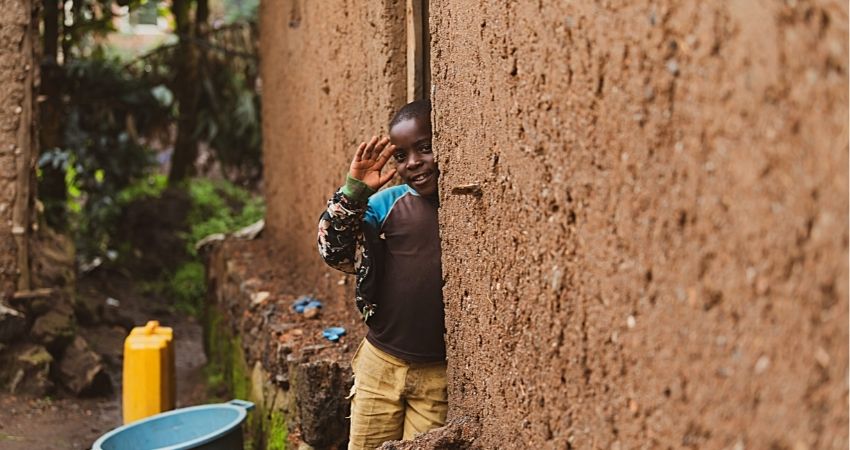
(215, 207)
(219, 207)
(187, 286)
(277, 431)
(108, 122)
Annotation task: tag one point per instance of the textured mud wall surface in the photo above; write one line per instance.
(333, 74)
(16, 65)
(659, 256)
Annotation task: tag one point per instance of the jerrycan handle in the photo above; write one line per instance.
(246, 405)
(151, 327)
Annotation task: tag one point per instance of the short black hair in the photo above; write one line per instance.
(419, 109)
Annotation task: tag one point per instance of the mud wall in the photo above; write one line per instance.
(17, 75)
(333, 72)
(658, 258)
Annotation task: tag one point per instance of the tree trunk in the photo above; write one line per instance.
(187, 90)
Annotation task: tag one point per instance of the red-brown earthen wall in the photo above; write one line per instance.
(17, 71)
(659, 256)
(333, 72)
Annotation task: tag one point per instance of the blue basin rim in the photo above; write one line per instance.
(241, 408)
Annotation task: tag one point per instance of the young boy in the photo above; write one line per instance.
(390, 239)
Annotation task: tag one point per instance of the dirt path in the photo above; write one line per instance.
(63, 422)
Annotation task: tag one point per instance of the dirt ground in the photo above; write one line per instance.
(63, 422)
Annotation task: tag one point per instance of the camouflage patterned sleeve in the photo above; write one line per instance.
(340, 237)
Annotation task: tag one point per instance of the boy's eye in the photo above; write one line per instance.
(399, 156)
(425, 148)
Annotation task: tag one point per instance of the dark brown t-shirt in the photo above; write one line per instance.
(409, 320)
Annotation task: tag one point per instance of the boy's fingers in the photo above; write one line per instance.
(388, 151)
(385, 178)
(381, 144)
(358, 155)
(385, 156)
(370, 147)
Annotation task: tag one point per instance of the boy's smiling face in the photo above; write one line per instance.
(413, 155)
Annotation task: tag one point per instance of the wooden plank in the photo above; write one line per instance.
(36, 293)
(415, 57)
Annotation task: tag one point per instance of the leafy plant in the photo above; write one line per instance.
(219, 207)
(107, 114)
(187, 286)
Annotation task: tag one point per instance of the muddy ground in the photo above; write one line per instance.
(64, 422)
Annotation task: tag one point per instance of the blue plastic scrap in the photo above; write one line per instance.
(333, 333)
(304, 303)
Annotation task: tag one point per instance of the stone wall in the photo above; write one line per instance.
(17, 144)
(659, 256)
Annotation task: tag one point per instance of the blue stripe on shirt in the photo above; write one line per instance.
(382, 203)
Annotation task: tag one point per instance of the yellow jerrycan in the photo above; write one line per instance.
(149, 383)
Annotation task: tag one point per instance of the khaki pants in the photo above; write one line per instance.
(392, 399)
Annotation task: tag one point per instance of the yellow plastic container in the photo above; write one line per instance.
(149, 383)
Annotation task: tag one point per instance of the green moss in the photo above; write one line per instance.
(227, 374)
(239, 381)
(276, 431)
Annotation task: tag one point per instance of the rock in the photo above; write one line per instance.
(53, 258)
(86, 310)
(204, 245)
(82, 370)
(55, 329)
(311, 313)
(25, 369)
(251, 231)
(459, 434)
(259, 297)
(320, 393)
(13, 323)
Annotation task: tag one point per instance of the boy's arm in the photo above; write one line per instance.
(340, 236)
(340, 232)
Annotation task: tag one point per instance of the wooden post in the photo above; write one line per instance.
(415, 58)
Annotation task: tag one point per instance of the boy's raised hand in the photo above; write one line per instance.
(370, 159)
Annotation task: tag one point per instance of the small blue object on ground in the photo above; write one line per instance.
(205, 427)
(304, 303)
(333, 333)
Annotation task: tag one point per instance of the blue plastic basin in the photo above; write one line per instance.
(208, 427)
